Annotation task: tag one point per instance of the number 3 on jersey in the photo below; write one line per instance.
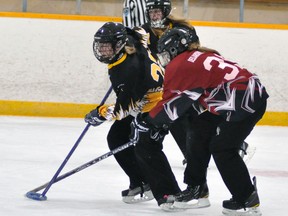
(222, 65)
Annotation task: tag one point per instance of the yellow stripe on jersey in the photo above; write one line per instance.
(119, 61)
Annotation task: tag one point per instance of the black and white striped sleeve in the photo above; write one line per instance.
(134, 13)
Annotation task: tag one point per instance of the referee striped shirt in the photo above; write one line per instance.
(134, 13)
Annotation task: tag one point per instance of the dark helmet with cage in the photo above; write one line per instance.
(109, 42)
(175, 41)
(164, 6)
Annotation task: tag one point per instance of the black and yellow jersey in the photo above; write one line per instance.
(137, 80)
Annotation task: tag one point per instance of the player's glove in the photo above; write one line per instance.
(158, 134)
(138, 128)
(141, 128)
(94, 117)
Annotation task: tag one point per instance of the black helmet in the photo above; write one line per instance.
(175, 41)
(109, 41)
(164, 5)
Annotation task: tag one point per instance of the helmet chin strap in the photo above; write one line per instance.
(117, 52)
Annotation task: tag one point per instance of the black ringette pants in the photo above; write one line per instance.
(117, 136)
(200, 130)
(178, 130)
(222, 139)
(156, 167)
(150, 166)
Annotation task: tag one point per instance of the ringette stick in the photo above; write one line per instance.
(84, 166)
(37, 196)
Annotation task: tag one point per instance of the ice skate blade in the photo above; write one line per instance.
(254, 211)
(192, 204)
(147, 196)
(169, 207)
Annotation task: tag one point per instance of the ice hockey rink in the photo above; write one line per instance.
(32, 149)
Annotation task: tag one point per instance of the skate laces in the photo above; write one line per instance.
(142, 190)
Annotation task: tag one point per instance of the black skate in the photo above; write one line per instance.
(138, 194)
(193, 197)
(249, 208)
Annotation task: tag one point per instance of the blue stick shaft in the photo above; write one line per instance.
(73, 148)
(86, 165)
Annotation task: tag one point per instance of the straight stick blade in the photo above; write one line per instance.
(36, 196)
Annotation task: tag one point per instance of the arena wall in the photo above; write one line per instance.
(48, 67)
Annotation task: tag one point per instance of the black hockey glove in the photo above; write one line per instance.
(94, 118)
(158, 134)
(140, 128)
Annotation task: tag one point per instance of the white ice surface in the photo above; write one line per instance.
(32, 149)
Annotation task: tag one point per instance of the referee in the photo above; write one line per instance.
(134, 13)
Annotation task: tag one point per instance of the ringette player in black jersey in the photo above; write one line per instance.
(137, 80)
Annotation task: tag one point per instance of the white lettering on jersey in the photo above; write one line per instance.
(194, 56)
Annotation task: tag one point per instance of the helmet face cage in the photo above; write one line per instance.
(103, 51)
(164, 6)
(108, 42)
(164, 58)
(168, 50)
(174, 42)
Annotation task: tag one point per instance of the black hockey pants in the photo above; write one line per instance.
(156, 167)
(178, 130)
(212, 135)
(151, 165)
(117, 136)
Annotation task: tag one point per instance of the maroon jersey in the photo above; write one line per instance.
(220, 86)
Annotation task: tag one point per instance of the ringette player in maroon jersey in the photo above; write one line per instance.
(235, 100)
(159, 20)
